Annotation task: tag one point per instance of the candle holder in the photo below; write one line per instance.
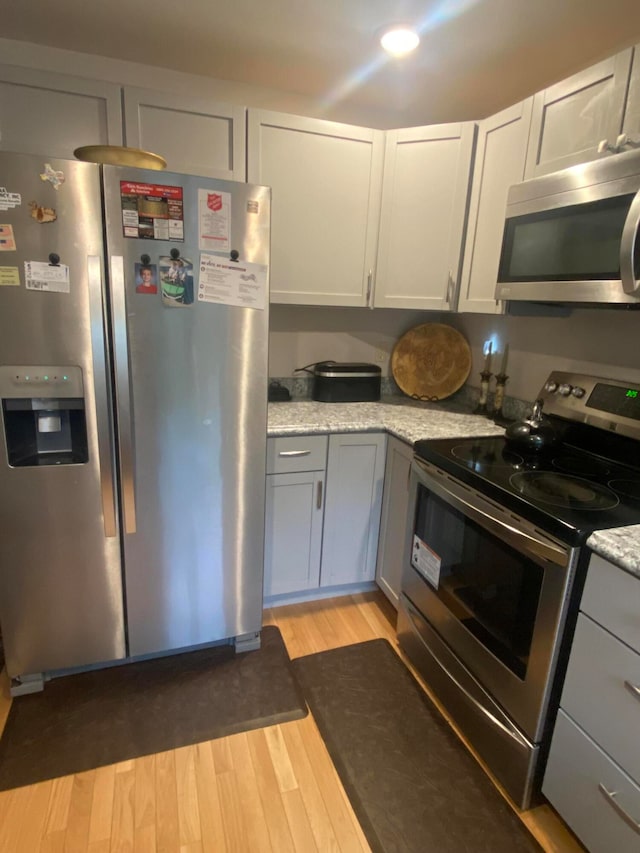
(498, 417)
(481, 408)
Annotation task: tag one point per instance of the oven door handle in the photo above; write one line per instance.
(519, 539)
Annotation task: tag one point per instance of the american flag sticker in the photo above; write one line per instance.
(7, 240)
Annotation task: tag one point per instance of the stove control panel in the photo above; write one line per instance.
(605, 403)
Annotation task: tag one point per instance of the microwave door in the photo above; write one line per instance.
(629, 252)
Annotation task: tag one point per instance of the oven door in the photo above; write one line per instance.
(494, 588)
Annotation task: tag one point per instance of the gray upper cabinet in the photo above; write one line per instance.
(326, 179)
(631, 124)
(572, 117)
(424, 198)
(196, 136)
(53, 114)
(499, 162)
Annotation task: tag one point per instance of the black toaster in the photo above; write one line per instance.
(346, 382)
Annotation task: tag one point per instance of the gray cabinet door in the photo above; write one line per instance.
(393, 521)
(196, 136)
(53, 114)
(326, 179)
(631, 124)
(355, 475)
(572, 117)
(499, 162)
(424, 202)
(293, 532)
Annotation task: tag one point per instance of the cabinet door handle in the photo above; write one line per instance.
(615, 805)
(633, 689)
(319, 495)
(294, 452)
(369, 286)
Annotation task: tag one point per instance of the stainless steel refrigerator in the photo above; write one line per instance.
(133, 376)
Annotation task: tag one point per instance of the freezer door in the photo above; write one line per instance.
(191, 384)
(60, 576)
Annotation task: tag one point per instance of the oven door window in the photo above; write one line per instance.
(580, 242)
(488, 586)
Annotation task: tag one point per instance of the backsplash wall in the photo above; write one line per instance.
(603, 342)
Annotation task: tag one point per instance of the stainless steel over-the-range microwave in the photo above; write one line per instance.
(572, 236)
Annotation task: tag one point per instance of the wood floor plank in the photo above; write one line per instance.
(211, 829)
(275, 815)
(232, 813)
(167, 826)
(102, 804)
(340, 812)
(144, 809)
(144, 839)
(222, 760)
(188, 812)
(123, 826)
(319, 820)
(280, 759)
(298, 819)
(59, 804)
(256, 828)
(34, 816)
(54, 842)
(79, 819)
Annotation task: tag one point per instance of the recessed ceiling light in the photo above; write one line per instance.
(399, 41)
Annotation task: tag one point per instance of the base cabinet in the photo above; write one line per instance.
(322, 517)
(393, 522)
(355, 475)
(593, 774)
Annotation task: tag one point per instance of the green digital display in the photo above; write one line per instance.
(616, 399)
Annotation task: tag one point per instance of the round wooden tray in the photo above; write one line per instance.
(431, 361)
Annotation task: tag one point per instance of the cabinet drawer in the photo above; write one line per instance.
(296, 453)
(577, 775)
(599, 693)
(612, 598)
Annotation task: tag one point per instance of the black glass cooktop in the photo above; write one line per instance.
(567, 491)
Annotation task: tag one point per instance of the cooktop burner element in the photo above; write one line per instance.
(585, 466)
(563, 490)
(476, 455)
(627, 488)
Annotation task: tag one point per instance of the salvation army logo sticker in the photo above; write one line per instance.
(214, 201)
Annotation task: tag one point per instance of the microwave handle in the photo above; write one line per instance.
(628, 247)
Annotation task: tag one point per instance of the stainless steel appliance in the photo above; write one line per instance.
(572, 236)
(495, 562)
(133, 388)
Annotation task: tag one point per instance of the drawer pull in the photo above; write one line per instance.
(633, 689)
(615, 805)
(319, 495)
(294, 452)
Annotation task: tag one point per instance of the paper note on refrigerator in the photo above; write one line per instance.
(232, 283)
(214, 218)
(42, 276)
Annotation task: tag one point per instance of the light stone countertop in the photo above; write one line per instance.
(411, 421)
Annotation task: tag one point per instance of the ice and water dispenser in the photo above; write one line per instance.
(43, 410)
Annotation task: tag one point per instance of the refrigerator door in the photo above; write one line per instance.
(191, 387)
(60, 569)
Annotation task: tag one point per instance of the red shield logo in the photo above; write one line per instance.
(214, 201)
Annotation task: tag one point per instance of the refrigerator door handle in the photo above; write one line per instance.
(123, 393)
(94, 277)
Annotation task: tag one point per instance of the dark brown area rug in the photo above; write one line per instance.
(412, 784)
(95, 718)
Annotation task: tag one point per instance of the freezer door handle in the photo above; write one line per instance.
(123, 393)
(98, 342)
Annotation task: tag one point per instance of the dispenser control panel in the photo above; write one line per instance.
(40, 380)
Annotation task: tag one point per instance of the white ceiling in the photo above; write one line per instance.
(476, 56)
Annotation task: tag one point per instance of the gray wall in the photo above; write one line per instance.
(604, 342)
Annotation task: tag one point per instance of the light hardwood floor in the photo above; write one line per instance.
(272, 790)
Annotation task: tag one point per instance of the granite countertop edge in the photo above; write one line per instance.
(410, 421)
